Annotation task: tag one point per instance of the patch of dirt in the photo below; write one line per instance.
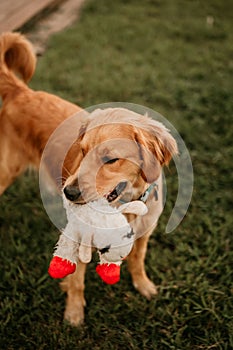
(64, 15)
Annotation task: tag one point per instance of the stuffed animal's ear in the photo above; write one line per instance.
(135, 207)
(157, 146)
(85, 247)
(85, 253)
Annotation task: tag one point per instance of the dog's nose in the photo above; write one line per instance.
(72, 193)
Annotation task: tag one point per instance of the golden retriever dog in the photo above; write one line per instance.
(118, 155)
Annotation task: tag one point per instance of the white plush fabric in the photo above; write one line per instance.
(97, 224)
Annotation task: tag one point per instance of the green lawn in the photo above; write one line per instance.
(168, 56)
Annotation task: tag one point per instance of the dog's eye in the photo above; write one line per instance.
(108, 160)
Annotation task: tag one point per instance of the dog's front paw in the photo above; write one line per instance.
(74, 314)
(145, 287)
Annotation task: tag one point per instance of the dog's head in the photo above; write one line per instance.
(121, 153)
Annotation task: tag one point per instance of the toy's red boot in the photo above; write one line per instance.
(60, 268)
(109, 273)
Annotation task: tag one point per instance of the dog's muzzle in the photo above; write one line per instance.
(74, 194)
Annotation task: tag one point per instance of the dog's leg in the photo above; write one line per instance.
(12, 161)
(9, 174)
(136, 265)
(75, 302)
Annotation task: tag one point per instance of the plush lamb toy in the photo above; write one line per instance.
(95, 224)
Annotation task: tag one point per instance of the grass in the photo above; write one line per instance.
(163, 55)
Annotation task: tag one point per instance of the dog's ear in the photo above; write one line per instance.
(157, 146)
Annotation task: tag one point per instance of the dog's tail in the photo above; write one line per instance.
(16, 58)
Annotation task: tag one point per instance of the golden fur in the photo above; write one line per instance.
(136, 146)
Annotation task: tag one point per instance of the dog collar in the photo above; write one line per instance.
(154, 186)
